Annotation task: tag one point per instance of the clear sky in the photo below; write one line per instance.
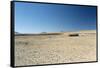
(37, 18)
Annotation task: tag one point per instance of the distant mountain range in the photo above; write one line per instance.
(27, 34)
(17, 33)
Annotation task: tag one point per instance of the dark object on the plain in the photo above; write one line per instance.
(71, 35)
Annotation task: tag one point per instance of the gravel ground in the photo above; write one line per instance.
(37, 50)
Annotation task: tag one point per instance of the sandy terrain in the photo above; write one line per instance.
(51, 49)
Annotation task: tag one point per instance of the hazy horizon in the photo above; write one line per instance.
(52, 32)
(37, 18)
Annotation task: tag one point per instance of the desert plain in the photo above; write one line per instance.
(54, 49)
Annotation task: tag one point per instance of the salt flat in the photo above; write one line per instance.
(51, 49)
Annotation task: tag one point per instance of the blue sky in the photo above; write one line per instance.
(37, 18)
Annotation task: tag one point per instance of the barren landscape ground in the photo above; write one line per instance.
(51, 49)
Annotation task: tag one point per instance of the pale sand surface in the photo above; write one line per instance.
(51, 49)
